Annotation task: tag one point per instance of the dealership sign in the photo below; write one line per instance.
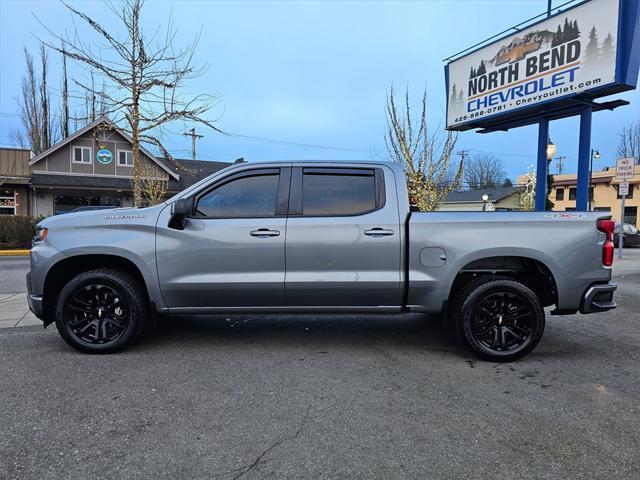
(573, 52)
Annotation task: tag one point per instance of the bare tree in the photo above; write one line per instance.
(425, 157)
(528, 192)
(629, 144)
(47, 126)
(37, 131)
(64, 114)
(154, 184)
(484, 171)
(145, 78)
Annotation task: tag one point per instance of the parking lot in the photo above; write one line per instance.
(325, 397)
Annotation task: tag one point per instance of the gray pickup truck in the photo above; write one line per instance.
(317, 237)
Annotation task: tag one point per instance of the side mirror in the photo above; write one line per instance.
(180, 209)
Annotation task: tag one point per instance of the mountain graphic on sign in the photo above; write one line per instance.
(104, 156)
(519, 47)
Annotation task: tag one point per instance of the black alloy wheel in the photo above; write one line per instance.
(100, 311)
(96, 314)
(500, 319)
(503, 321)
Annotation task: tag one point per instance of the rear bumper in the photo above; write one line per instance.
(34, 301)
(599, 298)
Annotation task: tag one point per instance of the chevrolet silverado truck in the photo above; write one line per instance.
(331, 237)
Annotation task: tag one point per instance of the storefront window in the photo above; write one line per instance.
(68, 203)
(7, 201)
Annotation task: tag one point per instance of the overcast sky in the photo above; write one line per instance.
(313, 73)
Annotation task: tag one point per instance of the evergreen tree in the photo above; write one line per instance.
(482, 69)
(460, 98)
(575, 30)
(566, 30)
(507, 182)
(607, 49)
(557, 37)
(454, 95)
(593, 52)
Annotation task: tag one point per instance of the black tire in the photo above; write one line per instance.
(101, 311)
(498, 318)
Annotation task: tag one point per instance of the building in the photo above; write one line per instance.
(603, 194)
(14, 181)
(92, 167)
(502, 199)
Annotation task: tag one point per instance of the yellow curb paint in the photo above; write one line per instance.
(8, 253)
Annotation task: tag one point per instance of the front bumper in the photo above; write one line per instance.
(34, 301)
(599, 298)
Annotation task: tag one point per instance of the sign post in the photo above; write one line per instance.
(624, 171)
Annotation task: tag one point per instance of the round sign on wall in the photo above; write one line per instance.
(104, 156)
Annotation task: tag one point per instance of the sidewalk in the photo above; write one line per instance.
(14, 311)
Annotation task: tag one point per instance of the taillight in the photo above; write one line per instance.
(607, 227)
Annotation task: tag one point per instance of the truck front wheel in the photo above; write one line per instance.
(498, 318)
(100, 311)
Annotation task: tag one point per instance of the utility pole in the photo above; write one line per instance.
(193, 136)
(462, 153)
(560, 161)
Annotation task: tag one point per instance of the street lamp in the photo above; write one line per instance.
(551, 149)
(594, 154)
(485, 199)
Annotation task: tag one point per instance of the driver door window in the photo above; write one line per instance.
(245, 197)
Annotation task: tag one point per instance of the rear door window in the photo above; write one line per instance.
(336, 192)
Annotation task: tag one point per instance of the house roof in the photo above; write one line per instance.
(473, 196)
(193, 171)
(91, 126)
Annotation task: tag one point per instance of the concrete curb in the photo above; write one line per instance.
(16, 253)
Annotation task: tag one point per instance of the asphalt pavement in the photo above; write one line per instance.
(326, 397)
(13, 271)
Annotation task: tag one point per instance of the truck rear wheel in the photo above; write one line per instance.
(100, 311)
(498, 318)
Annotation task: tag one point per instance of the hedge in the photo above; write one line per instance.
(16, 231)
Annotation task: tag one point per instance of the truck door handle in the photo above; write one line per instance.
(378, 232)
(265, 232)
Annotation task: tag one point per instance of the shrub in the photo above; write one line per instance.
(16, 231)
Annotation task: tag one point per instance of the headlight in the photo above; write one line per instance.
(41, 234)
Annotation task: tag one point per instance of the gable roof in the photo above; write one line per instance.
(472, 196)
(91, 126)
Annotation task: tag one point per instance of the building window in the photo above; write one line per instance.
(572, 194)
(560, 194)
(7, 201)
(631, 215)
(68, 203)
(81, 154)
(629, 195)
(125, 158)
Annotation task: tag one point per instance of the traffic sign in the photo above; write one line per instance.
(624, 168)
(623, 189)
